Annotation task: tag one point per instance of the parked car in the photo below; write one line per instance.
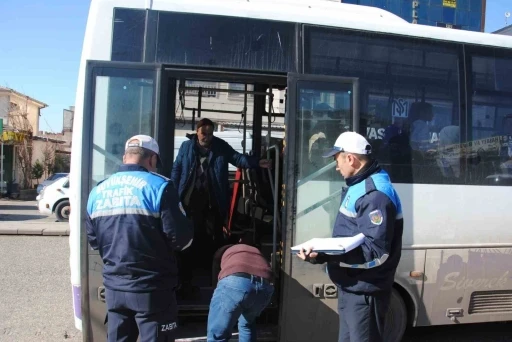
(50, 180)
(54, 198)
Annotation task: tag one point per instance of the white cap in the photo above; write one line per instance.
(350, 142)
(144, 141)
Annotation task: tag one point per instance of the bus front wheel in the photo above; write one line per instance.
(396, 320)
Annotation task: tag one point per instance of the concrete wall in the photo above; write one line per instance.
(29, 107)
(67, 122)
(4, 109)
(505, 31)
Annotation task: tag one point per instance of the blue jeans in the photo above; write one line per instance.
(237, 299)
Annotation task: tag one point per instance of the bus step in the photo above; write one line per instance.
(197, 332)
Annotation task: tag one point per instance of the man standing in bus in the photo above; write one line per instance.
(200, 173)
(365, 275)
(135, 221)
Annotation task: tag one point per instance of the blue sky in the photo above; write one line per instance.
(40, 49)
(41, 43)
(495, 14)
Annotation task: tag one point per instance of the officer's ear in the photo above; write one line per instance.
(154, 161)
(354, 159)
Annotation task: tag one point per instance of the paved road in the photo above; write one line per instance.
(35, 302)
(23, 218)
(22, 211)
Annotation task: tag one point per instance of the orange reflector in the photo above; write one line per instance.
(416, 274)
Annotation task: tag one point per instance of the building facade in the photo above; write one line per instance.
(225, 108)
(456, 14)
(55, 148)
(507, 30)
(19, 114)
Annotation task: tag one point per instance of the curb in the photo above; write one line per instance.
(32, 229)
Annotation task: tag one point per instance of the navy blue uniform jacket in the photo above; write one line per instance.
(370, 205)
(221, 154)
(134, 220)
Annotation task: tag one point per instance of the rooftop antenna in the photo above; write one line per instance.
(507, 15)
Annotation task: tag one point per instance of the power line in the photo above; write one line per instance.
(48, 125)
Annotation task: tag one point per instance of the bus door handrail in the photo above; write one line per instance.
(277, 219)
(322, 201)
(108, 155)
(319, 203)
(316, 174)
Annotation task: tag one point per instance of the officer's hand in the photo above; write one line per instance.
(307, 255)
(265, 163)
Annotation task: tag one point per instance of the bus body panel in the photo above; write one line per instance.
(466, 285)
(438, 218)
(412, 261)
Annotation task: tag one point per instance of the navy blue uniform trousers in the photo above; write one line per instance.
(362, 317)
(153, 315)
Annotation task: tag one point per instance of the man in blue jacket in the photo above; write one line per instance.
(200, 173)
(365, 275)
(135, 221)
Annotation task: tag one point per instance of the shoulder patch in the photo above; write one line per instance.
(376, 217)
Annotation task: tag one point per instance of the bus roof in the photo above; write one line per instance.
(315, 12)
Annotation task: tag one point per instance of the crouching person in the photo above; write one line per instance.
(243, 290)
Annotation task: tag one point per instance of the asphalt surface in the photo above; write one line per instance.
(20, 212)
(35, 300)
(23, 218)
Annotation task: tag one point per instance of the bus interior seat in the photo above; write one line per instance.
(253, 211)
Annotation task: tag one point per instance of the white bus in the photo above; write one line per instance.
(435, 103)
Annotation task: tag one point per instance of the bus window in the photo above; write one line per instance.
(128, 34)
(409, 93)
(490, 144)
(230, 42)
(123, 107)
(324, 112)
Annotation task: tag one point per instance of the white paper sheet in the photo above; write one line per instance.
(339, 245)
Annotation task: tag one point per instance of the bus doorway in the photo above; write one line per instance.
(248, 113)
(124, 99)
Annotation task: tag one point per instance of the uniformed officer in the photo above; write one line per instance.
(136, 222)
(364, 276)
